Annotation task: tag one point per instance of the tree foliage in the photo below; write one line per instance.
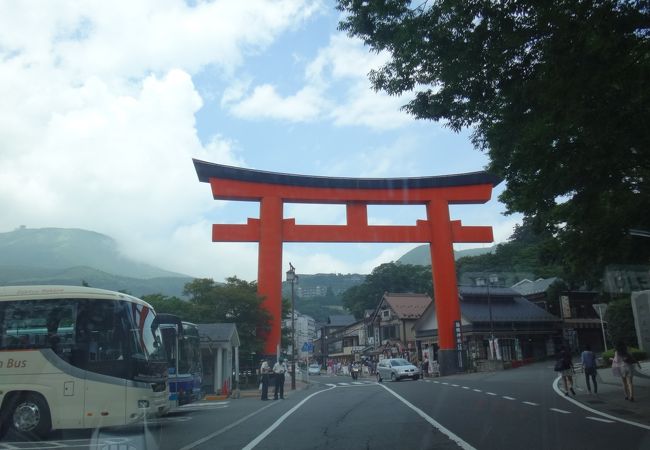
(235, 301)
(556, 92)
(620, 322)
(389, 277)
(525, 252)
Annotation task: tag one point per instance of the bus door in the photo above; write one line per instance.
(103, 340)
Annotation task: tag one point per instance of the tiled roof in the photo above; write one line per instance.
(218, 332)
(408, 306)
(341, 320)
(507, 305)
(527, 287)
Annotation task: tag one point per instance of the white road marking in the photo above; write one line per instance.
(357, 382)
(343, 384)
(560, 411)
(465, 387)
(593, 411)
(437, 382)
(599, 419)
(508, 398)
(445, 383)
(461, 443)
(169, 419)
(330, 385)
(530, 403)
(477, 390)
(490, 393)
(228, 427)
(282, 418)
(455, 385)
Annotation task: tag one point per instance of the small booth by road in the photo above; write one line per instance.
(219, 355)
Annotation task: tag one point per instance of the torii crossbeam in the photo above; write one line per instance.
(271, 229)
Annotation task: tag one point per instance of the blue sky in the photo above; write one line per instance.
(104, 106)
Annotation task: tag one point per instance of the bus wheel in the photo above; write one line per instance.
(31, 415)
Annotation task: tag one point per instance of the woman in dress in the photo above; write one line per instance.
(622, 366)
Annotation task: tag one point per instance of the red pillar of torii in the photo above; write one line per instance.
(271, 230)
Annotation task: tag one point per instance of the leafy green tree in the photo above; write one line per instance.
(169, 305)
(525, 252)
(389, 277)
(235, 301)
(620, 322)
(555, 91)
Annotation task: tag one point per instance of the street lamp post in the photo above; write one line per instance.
(292, 278)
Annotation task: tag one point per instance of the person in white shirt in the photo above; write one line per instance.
(279, 369)
(264, 374)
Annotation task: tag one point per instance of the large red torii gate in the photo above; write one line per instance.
(271, 230)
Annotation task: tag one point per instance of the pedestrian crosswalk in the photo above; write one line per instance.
(352, 383)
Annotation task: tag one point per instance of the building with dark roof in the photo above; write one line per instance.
(581, 324)
(219, 356)
(521, 330)
(392, 325)
(329, 340)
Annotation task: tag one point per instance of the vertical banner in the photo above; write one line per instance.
(459, 342)
(566, 307)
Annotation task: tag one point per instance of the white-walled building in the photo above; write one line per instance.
(305, 333)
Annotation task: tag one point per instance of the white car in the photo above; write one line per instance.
(395, 369)
(313, 369)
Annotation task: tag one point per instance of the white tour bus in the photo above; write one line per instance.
(77, 357)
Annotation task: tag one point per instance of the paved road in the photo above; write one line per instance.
(506, 410)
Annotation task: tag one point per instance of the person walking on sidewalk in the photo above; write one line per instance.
(279, 369)
(622, 366)
(589, 366)
(264, 373)
(564, 365)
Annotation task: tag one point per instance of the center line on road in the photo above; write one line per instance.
(490, 393)
(465, 387)
(560, 411)
(446, 383)
(477, 390)
(437, 382)
(455, 385)
(509, 398)
(282, 418)
(531, 403)
(461, 443)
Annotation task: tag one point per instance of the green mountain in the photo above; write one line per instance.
(420, 256)
(73, 256)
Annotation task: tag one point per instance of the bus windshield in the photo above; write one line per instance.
(146, 337)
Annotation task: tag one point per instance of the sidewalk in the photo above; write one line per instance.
(610, 398)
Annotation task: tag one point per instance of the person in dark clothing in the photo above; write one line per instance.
(565, 367)
(589, 366)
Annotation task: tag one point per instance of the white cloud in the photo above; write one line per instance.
(131, 38)
(336, 88)
(98, 124)
(265, 103)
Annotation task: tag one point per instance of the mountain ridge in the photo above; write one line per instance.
(75, 256)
